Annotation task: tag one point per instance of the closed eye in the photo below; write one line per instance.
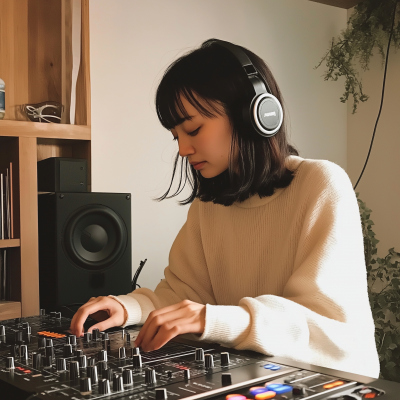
(195, 132)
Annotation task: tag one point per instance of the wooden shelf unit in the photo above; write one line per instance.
(35, 63)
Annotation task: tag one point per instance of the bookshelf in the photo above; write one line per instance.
(36, 65)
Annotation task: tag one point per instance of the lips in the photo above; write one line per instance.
(198, 165)
(193, 163)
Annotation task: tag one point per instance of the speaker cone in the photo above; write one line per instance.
(95, 237)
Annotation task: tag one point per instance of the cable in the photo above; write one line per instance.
(383, 92)
(136, 276)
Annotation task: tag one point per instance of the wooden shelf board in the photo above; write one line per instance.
(10, 309)
(5, 243)
(42, 130)
(346, 4)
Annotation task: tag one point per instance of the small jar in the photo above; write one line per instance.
(2, 99)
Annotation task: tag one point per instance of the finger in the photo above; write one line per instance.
(106, 324)
(151, 316)
(159, 321)
(169, 331)
(81, 316)
(76, 315)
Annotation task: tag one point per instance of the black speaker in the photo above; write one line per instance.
(59, 174)
(84, 247)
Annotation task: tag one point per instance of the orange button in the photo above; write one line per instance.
(265, 396)
(333, 384)
(235, 397)
(371, 395)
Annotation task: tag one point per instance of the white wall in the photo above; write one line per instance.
(379, 186)
(131, 44)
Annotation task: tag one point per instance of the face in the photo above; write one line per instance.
(206, 142)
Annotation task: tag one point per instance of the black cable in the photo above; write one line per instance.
(383, 92)
(136, 276)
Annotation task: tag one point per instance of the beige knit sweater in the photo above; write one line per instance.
(282, 275)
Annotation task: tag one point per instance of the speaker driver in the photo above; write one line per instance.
(95, 237)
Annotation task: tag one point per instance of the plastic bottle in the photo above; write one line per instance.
(2, 98)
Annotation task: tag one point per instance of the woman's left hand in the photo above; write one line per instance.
(164, 324)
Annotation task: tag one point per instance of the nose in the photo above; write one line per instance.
(185, 146)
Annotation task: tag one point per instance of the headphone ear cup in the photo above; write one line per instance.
(266, 114)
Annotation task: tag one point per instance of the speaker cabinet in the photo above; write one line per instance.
(84, 247)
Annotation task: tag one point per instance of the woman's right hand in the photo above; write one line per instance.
(105, 309)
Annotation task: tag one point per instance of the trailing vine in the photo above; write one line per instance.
(367, 28)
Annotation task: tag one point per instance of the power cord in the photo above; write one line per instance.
(383, 92)
(136, 276)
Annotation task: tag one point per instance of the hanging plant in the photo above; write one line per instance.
(368, 28)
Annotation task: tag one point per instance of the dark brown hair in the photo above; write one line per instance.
(214, 75)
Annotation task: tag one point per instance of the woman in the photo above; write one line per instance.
(271, 257)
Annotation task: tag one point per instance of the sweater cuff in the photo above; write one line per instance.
(226, 325)
(137, 306)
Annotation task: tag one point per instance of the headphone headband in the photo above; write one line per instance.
(264, 112)
(244, 60)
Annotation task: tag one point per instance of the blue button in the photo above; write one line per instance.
(279, 389)
(270, 366)
(275, 368)
(258, 390)
(273, 386)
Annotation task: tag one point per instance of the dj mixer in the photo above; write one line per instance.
(40, 359)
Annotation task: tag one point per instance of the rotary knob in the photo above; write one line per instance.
(128, 338)
(87, 337)
(107, 374)
(90, 361)
(121, 352)
(49, 351)
(82, 361)
(41, 342)
(208, 361)
(85, 386)
(118, 385)
(74, 369)
(149, 376)
(23, 353)
(102, 355)
(106, 344)
(137, 361)
(102, 365)
(104, 335)
(161, 394)
(48, 361)
(10, 363)
(72, 340)
(2, 330)
(95, 334)
(199, 356)
(61, 364)
(67, 351)
(78, 353)
(135, 350)
(91, 372)
(104, 386)
(42, 311)
(127, 377)
(49, 342)
(36, 360)
(52, 314)
(18, 337)
(186, 374)
(226, 379)
(224, 358)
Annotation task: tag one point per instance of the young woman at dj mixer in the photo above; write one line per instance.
(271, 256)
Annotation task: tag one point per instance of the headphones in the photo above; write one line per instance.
(264, 111)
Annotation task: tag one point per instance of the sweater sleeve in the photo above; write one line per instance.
(186, 277)
(323, 317)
